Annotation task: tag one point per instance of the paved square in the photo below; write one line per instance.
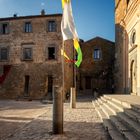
(16, 114)
(33, 121)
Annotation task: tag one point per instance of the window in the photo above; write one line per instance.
(51, 26)
(97, 54)
(3, 54)
(4, 28)
(28, 27)
(27, 53)
(51, 53)
(133, 38)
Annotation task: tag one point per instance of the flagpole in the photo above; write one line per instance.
(74, 70)
(73, 88)
(63, 86)
(69, 32)
(75, 77)
(75, 73)
(73, 67)
(63, 69)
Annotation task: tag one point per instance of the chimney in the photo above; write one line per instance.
(15, 15)
(42, 12)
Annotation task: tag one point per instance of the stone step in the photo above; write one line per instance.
(123, 103)
(104, 99)
(96, 101)
(107, 112)
(95, 105)
(109, 106)
(124, 130)
(136, 108)
(100, 101)
(133, 114)
(129, 112)
(101, 113)
(113, 132)
(110, 112)
(107, 97)
(112, 108)
(129, 122)
(116, 105)
(122, 115)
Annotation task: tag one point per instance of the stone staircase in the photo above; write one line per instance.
(120, 118)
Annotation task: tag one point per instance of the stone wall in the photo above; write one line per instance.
(39, 68)
(120, 11)
(99, 72)
(126, 20)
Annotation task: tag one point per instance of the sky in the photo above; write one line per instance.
(92, 17)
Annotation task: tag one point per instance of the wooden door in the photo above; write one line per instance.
(26, 85)
(88, 82)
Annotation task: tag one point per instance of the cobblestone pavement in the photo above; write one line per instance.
(81, 123)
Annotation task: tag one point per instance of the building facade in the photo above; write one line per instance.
(96, 70)
(30, 56)
(127, 51)
(31, 62)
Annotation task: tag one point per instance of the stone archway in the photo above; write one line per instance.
(133, 77)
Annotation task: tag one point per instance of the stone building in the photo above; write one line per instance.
(30, 56)
(96, 70)
(127, 50)
(31, 62)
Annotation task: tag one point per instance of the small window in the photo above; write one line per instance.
(133, 38)
(51, 26)
(97, 54)
(28, 27)
(4, 54)
(27, 53)
(5, 28)
(51, 53)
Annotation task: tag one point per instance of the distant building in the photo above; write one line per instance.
(96, 70)
(30, 56)
(127, 52)
(31, 62)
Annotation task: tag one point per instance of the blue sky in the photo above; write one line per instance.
(92, 17)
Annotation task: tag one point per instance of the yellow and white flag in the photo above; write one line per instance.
(67, 25)
(68, 28)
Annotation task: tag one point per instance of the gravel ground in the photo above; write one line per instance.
(82, 123)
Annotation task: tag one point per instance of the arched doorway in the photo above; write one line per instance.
(133, 77)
